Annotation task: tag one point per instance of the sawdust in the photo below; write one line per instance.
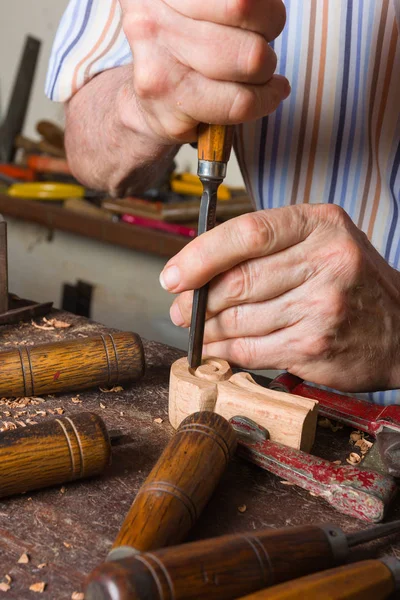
(38, 587)
(115, 389)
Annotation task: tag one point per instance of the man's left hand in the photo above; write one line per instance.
(297, 288)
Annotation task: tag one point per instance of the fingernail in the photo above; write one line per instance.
(170, 278)
(176, 315)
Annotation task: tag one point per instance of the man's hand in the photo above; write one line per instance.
(297, 288)
(200, 61)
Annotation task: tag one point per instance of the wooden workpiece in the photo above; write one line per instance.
(289, 419)
(71, 528)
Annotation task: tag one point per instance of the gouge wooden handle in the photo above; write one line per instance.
(71, 365)
(53, 452)
(368, 580)
(221, 568)
(177, 489)
(214, 142)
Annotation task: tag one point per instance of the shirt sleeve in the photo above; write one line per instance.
(89, 40)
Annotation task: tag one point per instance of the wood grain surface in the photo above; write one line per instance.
(214, 142)
(102, 360)
(53, 452)
(218, 569)
(289, 419)
(70, 529)
(180, 484)
(368, 580)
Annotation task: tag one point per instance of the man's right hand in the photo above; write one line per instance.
(200, 61)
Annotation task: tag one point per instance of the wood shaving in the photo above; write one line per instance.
(78, 596)
(353, 458)
(31, 422)
(23, 559)
(287, 483)
(66, 545)
(4, 587)
(355, 436)
(364, 445)
(42, 565)
(59, 411)
(63, 490)
(327, 424)
(158, 420)
(45, 327)
(116, 388)
(337, 462)
(76, 400)
(312, 494)
(38, 587)
(121, 414)
(55, 323)
(242, 508)
(102, 405)
(7, 578)
(21, 423)
(8, 426)
(40, 413)
(7, 413)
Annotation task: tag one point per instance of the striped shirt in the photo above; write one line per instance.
(335, 139)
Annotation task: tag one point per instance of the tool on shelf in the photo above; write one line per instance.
(53, 452)
(12, 308)
(229, 566)
(101, 360)
(214, 148)
(369, 579)
(178, 487)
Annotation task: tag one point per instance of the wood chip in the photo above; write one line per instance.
(4, 587)
(364, 445)
(23, 559)
(76, 400)
(158, 420)
(312, 494)
(78, 596)
(327, 424)
(7, 578)
(102, 405)
(355, 436)
(42, 565)
(116, 388)
(63, 490)
(337, 462)
(287, 483)
(56, 323)
(45, 327)
(31, 422)
(21, 423)
(66, 545)
(353, 458)
(59, 411)
(242, 508)
(121, 414)
(38, 587)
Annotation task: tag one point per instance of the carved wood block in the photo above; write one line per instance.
(290, 419)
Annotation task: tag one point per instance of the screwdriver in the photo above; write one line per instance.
(229, 566)
(375, 579)
(214, 148)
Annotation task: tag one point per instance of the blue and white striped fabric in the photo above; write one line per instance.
(335, 139)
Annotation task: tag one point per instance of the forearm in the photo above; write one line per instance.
(106, 148)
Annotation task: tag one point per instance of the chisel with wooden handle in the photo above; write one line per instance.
(71, 365)
(366, 580)
(229, 566)
(214, 149)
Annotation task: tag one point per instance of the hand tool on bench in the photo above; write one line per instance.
(361, 493)
(71, 365)
(381, 422)
(366, 580)
(178, 487)
(12, 308)
(214, 148)
(53, 452)
(229, 566)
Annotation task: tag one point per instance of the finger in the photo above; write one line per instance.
(251, 320)
(268, 352)
(262, 16)
(223, 53)
(253, 281)
(249, 236)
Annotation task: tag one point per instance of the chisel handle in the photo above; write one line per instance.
(53, 452)
(180, 484)
(102, 360)
(370, 579)
(214, 142)
(221, 568)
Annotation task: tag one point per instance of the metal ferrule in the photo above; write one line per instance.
(393, 564)
(121, 552)
(338, 542)
(211, 169)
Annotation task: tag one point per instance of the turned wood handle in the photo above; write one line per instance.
(216, 569)
(214, 142)
(370, 579)
(53, 452)
(103, 360)
(180, 484)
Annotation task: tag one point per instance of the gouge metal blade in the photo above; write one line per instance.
(207, 217)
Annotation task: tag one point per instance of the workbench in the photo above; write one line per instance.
(71, 528)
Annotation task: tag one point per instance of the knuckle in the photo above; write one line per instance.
(242, 351)
(139, 26)
(261, 59)
(317, 346)
(232, 318)
(254, 233)
(333, 213)
(334, 308)
(238, 283)
(147, 83)
(243, 106)
(238, 11)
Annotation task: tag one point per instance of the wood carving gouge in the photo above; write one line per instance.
(214, 148)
